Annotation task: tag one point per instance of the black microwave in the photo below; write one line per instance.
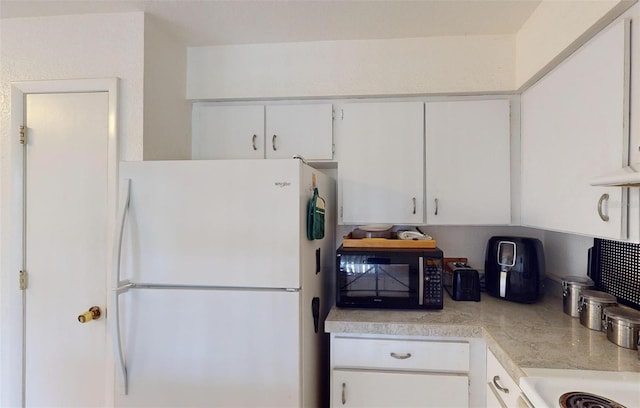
(389, 278)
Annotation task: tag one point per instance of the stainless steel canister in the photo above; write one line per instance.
(622, 325)
(591, 306)
(572, 287)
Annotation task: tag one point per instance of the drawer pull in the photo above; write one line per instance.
(401, 356)
(498, 386)
(344, 396)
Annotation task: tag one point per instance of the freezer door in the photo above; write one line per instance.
(210, 348)
(233, 223)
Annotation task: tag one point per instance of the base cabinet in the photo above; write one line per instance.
(502, 391)
(395, 371)
(359, 388)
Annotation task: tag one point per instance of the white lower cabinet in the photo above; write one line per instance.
(502, 391)
(373, 388)
(394, 371)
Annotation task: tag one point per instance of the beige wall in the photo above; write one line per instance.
(167, 113)
(556, 28)
(352, 68)
(412, 66)
(67, 47)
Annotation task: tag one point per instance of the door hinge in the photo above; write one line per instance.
(23, 135)
(23, 280)
(342, 110)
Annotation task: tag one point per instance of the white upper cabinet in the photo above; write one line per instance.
(238, 131)
(379, 147)
(468, 162)
(305, 130)
(227, 132)
(574, 129)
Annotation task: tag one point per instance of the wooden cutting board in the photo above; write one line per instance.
(349, 242)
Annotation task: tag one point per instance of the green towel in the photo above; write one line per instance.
(315, 217)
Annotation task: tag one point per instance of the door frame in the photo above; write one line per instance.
(13, 339)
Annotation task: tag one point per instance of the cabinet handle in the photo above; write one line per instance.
(253, 142)
(273, 142)
(401, 356)
(604, 217)
(436, 211)
(498, 386)
(414, 205)
(344, 394)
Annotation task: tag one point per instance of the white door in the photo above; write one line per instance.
(234, 223)
(305, 130)
(468, 162)
(211, 348)
(380, 147)
(355, 388)
(573, 130)
(66, 208)
(227, 132)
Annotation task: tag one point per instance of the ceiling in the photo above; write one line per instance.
(218, 22)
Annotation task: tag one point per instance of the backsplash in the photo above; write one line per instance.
(616, 270)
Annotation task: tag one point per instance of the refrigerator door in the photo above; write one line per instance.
(232, 223)
(211, 348)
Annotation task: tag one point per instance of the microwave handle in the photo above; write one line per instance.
(421, 281)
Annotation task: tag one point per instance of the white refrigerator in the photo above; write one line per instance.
(218, 296)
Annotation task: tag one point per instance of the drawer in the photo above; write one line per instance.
(405, 354)
(500, 383)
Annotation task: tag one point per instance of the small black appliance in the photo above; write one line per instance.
(389, 278)
(515, 268)
(462, 282)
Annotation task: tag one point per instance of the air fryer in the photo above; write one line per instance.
(515, 269)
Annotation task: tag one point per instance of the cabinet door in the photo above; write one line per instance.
(305, 130)
(502, 390)
(227, 132)
(493, 401)
(468, 162)
(352, 388)
(381, 172)
(572, 131)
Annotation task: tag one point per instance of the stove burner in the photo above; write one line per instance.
(586, 400)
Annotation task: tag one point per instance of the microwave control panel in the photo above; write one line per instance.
(433, 294)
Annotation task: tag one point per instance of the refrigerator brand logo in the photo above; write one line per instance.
(282, 183)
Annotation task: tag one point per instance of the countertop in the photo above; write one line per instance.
(521, 336)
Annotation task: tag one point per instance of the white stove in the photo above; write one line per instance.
(543, 388)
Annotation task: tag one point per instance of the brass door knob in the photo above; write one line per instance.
(93, 313)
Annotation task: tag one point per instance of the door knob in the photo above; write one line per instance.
(93, 313)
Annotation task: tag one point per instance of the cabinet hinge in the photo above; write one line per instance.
(23, 135)
(341, 212)
(342, 110)
(23, 280)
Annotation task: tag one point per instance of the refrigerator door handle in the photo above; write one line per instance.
(118, 285)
